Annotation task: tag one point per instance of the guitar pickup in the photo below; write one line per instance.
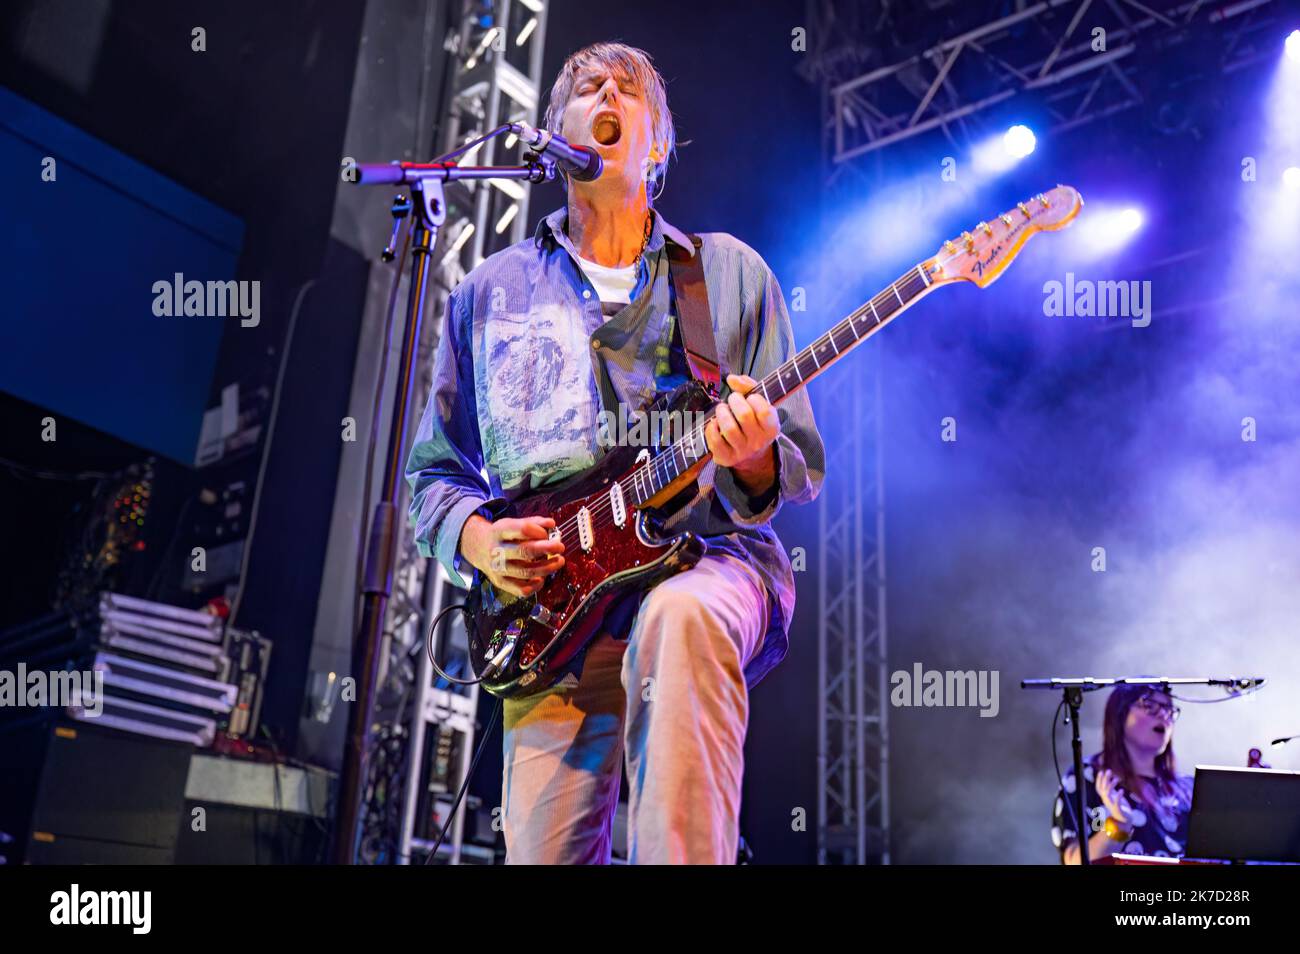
(617, 506)
(586, 535)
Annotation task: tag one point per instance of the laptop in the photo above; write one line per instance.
(1244, 814)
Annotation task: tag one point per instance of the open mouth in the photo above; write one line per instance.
(606, 128)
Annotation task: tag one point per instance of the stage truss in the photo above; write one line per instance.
(888, 80)
(495, 77)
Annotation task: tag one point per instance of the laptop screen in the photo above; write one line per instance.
(1242, 814)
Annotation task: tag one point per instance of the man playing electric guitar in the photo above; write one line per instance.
(540, 339)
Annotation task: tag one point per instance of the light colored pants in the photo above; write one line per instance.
(673, 697)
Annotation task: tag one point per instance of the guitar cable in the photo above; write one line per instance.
(464, 785)
(428, 645)
(1056, 763)
(482, 746)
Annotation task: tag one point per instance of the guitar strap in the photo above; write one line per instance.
(694, 317)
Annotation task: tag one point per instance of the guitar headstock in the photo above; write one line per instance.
(983, 253)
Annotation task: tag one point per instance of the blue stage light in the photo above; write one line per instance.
(1128, 222)
(1105, 229)
(1019, 141)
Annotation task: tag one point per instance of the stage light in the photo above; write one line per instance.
(1270, 206)
(1104, 230)
(1128, 222)
(997, 154)
(1019, 141)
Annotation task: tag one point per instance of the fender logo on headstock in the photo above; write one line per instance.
(988, 260)
(982, 255)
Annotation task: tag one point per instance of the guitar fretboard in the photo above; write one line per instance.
(647, 481)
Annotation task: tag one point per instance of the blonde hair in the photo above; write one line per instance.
(623, 62)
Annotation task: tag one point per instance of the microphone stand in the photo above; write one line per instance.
(1072, 691)
(429, 208)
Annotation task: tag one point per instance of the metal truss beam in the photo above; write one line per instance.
(498, 79)
(1045, 49)
(852, 668)
(852, 726)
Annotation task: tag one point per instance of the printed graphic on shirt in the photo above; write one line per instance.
(542, 405)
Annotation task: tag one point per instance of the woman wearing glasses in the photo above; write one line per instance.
(1137, 804)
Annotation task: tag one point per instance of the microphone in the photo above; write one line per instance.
(1242, 685)
(580, 162)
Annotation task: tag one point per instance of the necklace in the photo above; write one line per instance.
(649, 222)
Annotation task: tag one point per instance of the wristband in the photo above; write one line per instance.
(1114, 831)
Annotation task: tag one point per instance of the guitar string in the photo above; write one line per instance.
(604, 508)
(650, 468)
(598, 513)
(601, 514)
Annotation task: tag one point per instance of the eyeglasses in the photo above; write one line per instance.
(1156, 708)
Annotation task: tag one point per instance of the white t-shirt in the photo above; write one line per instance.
(614, 285)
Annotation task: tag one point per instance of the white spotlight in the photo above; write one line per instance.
(1128, 221)
(1293, 45)
(1019, 141)
(1291, 177)
(1105, 231)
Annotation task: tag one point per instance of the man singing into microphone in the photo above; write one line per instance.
(540, 339)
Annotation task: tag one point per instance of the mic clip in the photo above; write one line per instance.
(543, 165)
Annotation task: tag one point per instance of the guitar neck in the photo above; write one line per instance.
(846, 335)
(657, 474)
(979, 256)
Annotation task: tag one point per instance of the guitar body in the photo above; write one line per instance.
(609, 517)
(518, 645)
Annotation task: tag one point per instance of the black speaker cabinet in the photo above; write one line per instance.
(75, 793)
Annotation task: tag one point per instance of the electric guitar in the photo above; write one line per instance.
(610, 517)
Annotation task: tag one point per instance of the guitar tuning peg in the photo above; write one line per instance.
(1023, 208)
(969, 240)
(949, 247)
(988, 229)
(1043, 199)
(1006, 219)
